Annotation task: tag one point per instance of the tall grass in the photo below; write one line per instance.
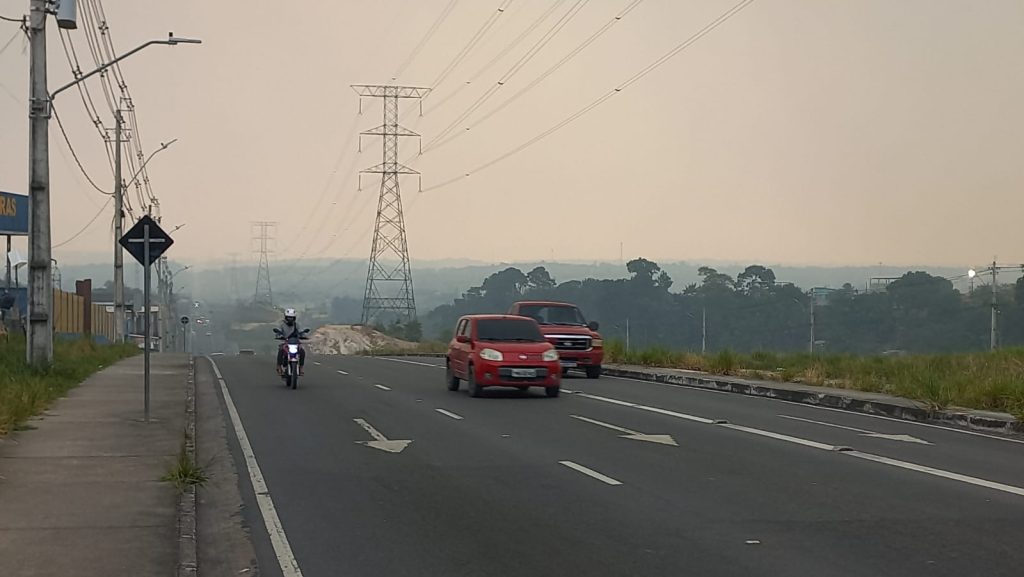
(989, 381)
(26, 391)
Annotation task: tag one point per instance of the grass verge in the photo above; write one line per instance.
(185, 472)
(27, 391)
(991, 381)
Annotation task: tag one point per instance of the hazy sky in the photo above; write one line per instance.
(800, 131)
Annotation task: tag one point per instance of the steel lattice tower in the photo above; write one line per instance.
(389, 278)
(262, 237)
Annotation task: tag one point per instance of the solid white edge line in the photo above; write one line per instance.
(590, 473)
(449, 414)
(938, 473)
(382, 387)
(821, 408)
(278, 539)
(409, 362)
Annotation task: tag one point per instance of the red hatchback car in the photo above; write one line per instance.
(502, 351)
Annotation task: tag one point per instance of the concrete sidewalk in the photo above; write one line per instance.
(81, 494)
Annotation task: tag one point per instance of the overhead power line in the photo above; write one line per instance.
(523, 61)
(544, 75)
(88, 225)
(511, 45)
(426, 38)
(75, 154)
(605, 97)
(473, 41)
(9, 19)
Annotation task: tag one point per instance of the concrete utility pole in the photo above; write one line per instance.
(40, 292)
(811, 347)
(119, 321)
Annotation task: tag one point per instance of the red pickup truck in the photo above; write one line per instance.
(578, 343)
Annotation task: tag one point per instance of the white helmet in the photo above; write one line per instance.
(289, 313)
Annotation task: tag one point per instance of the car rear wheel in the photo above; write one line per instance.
(593, 372)
(453, 381)
(552, 391)
(523, 388)
(475, 390)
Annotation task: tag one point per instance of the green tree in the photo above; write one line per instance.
(539, 279)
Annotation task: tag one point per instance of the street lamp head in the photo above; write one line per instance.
(971, 273)
(173, 41)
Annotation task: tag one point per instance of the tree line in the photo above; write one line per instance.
(917, 312)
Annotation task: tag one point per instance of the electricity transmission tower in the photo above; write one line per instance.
(389, 278)
(262, 237)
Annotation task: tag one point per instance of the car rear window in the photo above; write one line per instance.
(553, 315)
(508, 330)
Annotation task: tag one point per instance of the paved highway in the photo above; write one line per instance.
(373, 468)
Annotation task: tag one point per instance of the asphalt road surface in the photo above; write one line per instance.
(373, 468)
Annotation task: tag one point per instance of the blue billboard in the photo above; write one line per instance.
(13, 214)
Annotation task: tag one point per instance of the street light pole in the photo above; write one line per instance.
(39, 351)
(992, 336)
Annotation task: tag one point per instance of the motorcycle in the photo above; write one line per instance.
(290, 372)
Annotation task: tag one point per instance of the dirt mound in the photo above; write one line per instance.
(351, 340)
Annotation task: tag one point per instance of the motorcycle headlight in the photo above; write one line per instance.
(550, 355)
(597, 343)
(491, 355)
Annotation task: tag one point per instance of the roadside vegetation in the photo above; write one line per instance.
(26, 391)
(185, 472)
(991, 381)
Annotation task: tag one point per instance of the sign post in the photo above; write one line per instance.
(146, 241)
(184, 334)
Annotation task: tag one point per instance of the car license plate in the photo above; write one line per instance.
(524, 373)
(568, 364)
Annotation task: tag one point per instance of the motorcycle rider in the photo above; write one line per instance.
(289, 328)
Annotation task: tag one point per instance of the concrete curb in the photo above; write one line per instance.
(187, 542)
(906, 410)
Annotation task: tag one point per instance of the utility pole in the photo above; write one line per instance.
(262, 236)
(40, 293)
(704, 330)
(119, 320)
(389, 287)
(811, 346)
(993, 341)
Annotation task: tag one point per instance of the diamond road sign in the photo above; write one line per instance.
(135, 239)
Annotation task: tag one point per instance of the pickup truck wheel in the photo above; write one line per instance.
(453, 381)
(475, 390)
(552, 392)
(593, 372)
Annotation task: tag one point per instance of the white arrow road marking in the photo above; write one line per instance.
(449, 414)
(590, 473)
(863, 432)
(660, 439)
(380, 441)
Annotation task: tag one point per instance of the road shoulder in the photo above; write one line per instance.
(225, 542)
